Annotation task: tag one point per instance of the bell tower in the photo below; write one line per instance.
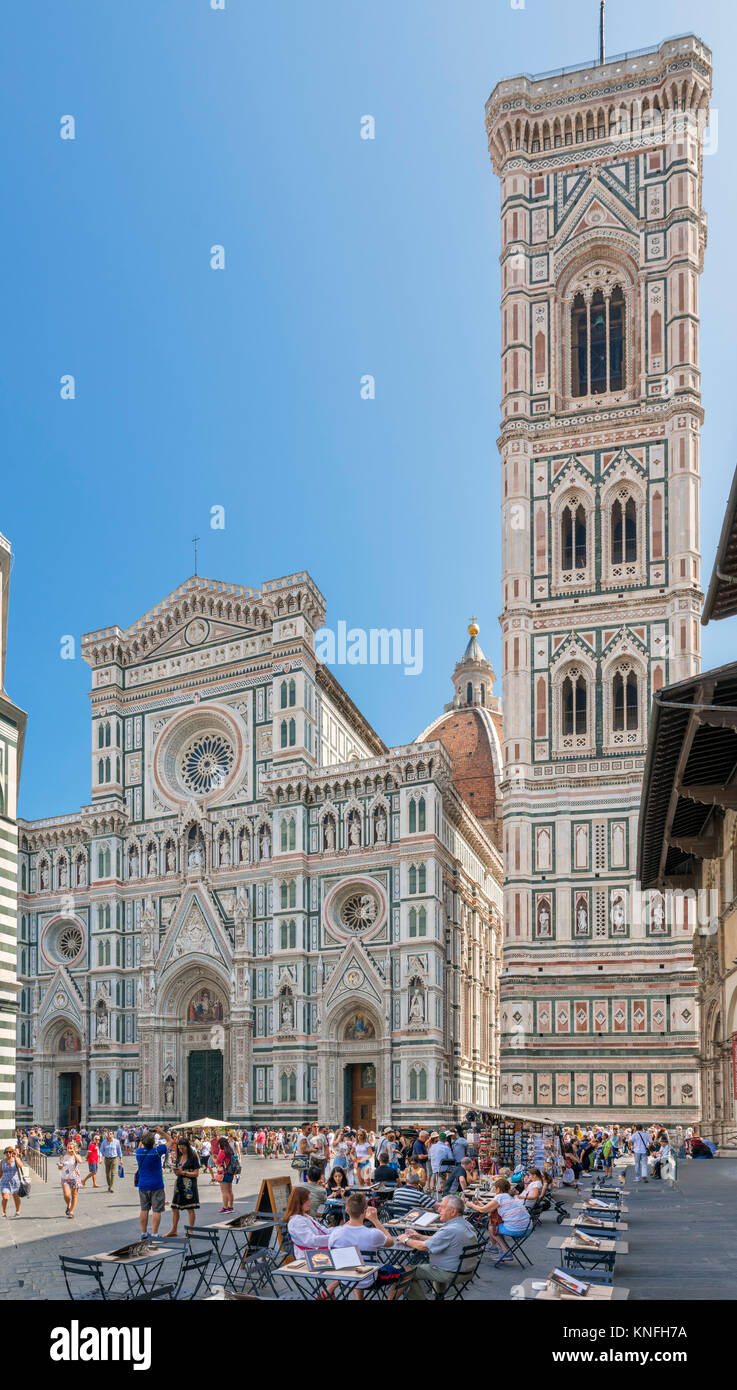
(603, 236)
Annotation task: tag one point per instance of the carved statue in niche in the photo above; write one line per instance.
(329, 833)
(225, 852)
(354, 829)
(169, 1091)
(44, 876)
(102, 1026)
(194, 858)
(63, 875)
(380, 827)
(618, 918)
(171, 859)
(657, 915)
(264, 840)
(417, 1005)
(582, 919)
(81, 873)
(243, 854)
(152, 865)
(286, 1011)
(133, 863)
(543, 918)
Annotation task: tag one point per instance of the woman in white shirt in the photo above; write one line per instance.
(362, 1152)
(533, 1188)
(305, 1232)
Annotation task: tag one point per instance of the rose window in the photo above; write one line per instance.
(206, 763)
(69, 943)
(359, 911)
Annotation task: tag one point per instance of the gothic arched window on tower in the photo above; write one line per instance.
(624, 531)
(624, 690)
(597, 342)
(469, 694)
(574, 704)
(573, 537)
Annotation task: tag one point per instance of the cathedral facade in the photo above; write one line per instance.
(603, 236)
(263, 914)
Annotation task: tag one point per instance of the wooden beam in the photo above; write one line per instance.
(700, 846)
(711, 794)
(719, 718)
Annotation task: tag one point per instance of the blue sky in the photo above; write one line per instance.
(240, 388)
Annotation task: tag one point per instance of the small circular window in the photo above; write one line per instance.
(206, 763)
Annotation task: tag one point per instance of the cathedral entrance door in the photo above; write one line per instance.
(205, 1084)
(360, 1095)
(70, 1099)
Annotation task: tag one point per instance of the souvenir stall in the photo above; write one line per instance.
(509, 1140)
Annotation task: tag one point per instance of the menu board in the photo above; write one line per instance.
(272, 1200)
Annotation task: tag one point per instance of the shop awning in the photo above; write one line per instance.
(690, 775)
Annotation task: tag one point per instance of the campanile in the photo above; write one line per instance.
(602, 244)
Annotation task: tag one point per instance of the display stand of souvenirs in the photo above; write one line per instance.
(511, 1141)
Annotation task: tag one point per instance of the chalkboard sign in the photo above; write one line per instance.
(272, 1201)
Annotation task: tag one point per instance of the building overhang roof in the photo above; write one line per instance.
(690, 775)
(721, 599)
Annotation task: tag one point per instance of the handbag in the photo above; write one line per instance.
(24, 1188)
(121, 1171)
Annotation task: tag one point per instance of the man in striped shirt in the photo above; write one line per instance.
(409, 1195)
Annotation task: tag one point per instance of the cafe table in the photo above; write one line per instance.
(137, 1276)
(231, 1246)
(308, 1283)
(611, 1227)
(537, 1289)
(579, 1256)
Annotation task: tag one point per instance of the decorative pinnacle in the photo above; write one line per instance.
(473, 628)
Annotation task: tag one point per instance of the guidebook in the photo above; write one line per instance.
(571, 1285)
(586, 1239)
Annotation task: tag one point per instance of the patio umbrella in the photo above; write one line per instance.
(207, 1123)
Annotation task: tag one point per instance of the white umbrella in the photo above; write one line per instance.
(207, 1123)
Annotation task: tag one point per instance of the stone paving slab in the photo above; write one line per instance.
(682, 1241)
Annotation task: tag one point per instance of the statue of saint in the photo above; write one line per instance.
(658, 916)
(225, 853)
(81, 873)
(355, 831)
(171, 860)
(243, 847)
(265, 845)
(381, 829)
(416, 1009)
(63, 874)
(329, 833)
(543, 921)
(169, 1091)
(152, 865)
(44, 876)
(582, 920)
(102, 1025)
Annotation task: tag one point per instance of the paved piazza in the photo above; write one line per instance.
(683, 1243)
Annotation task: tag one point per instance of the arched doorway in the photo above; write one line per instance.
(353, 1069)
(68, 1049)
